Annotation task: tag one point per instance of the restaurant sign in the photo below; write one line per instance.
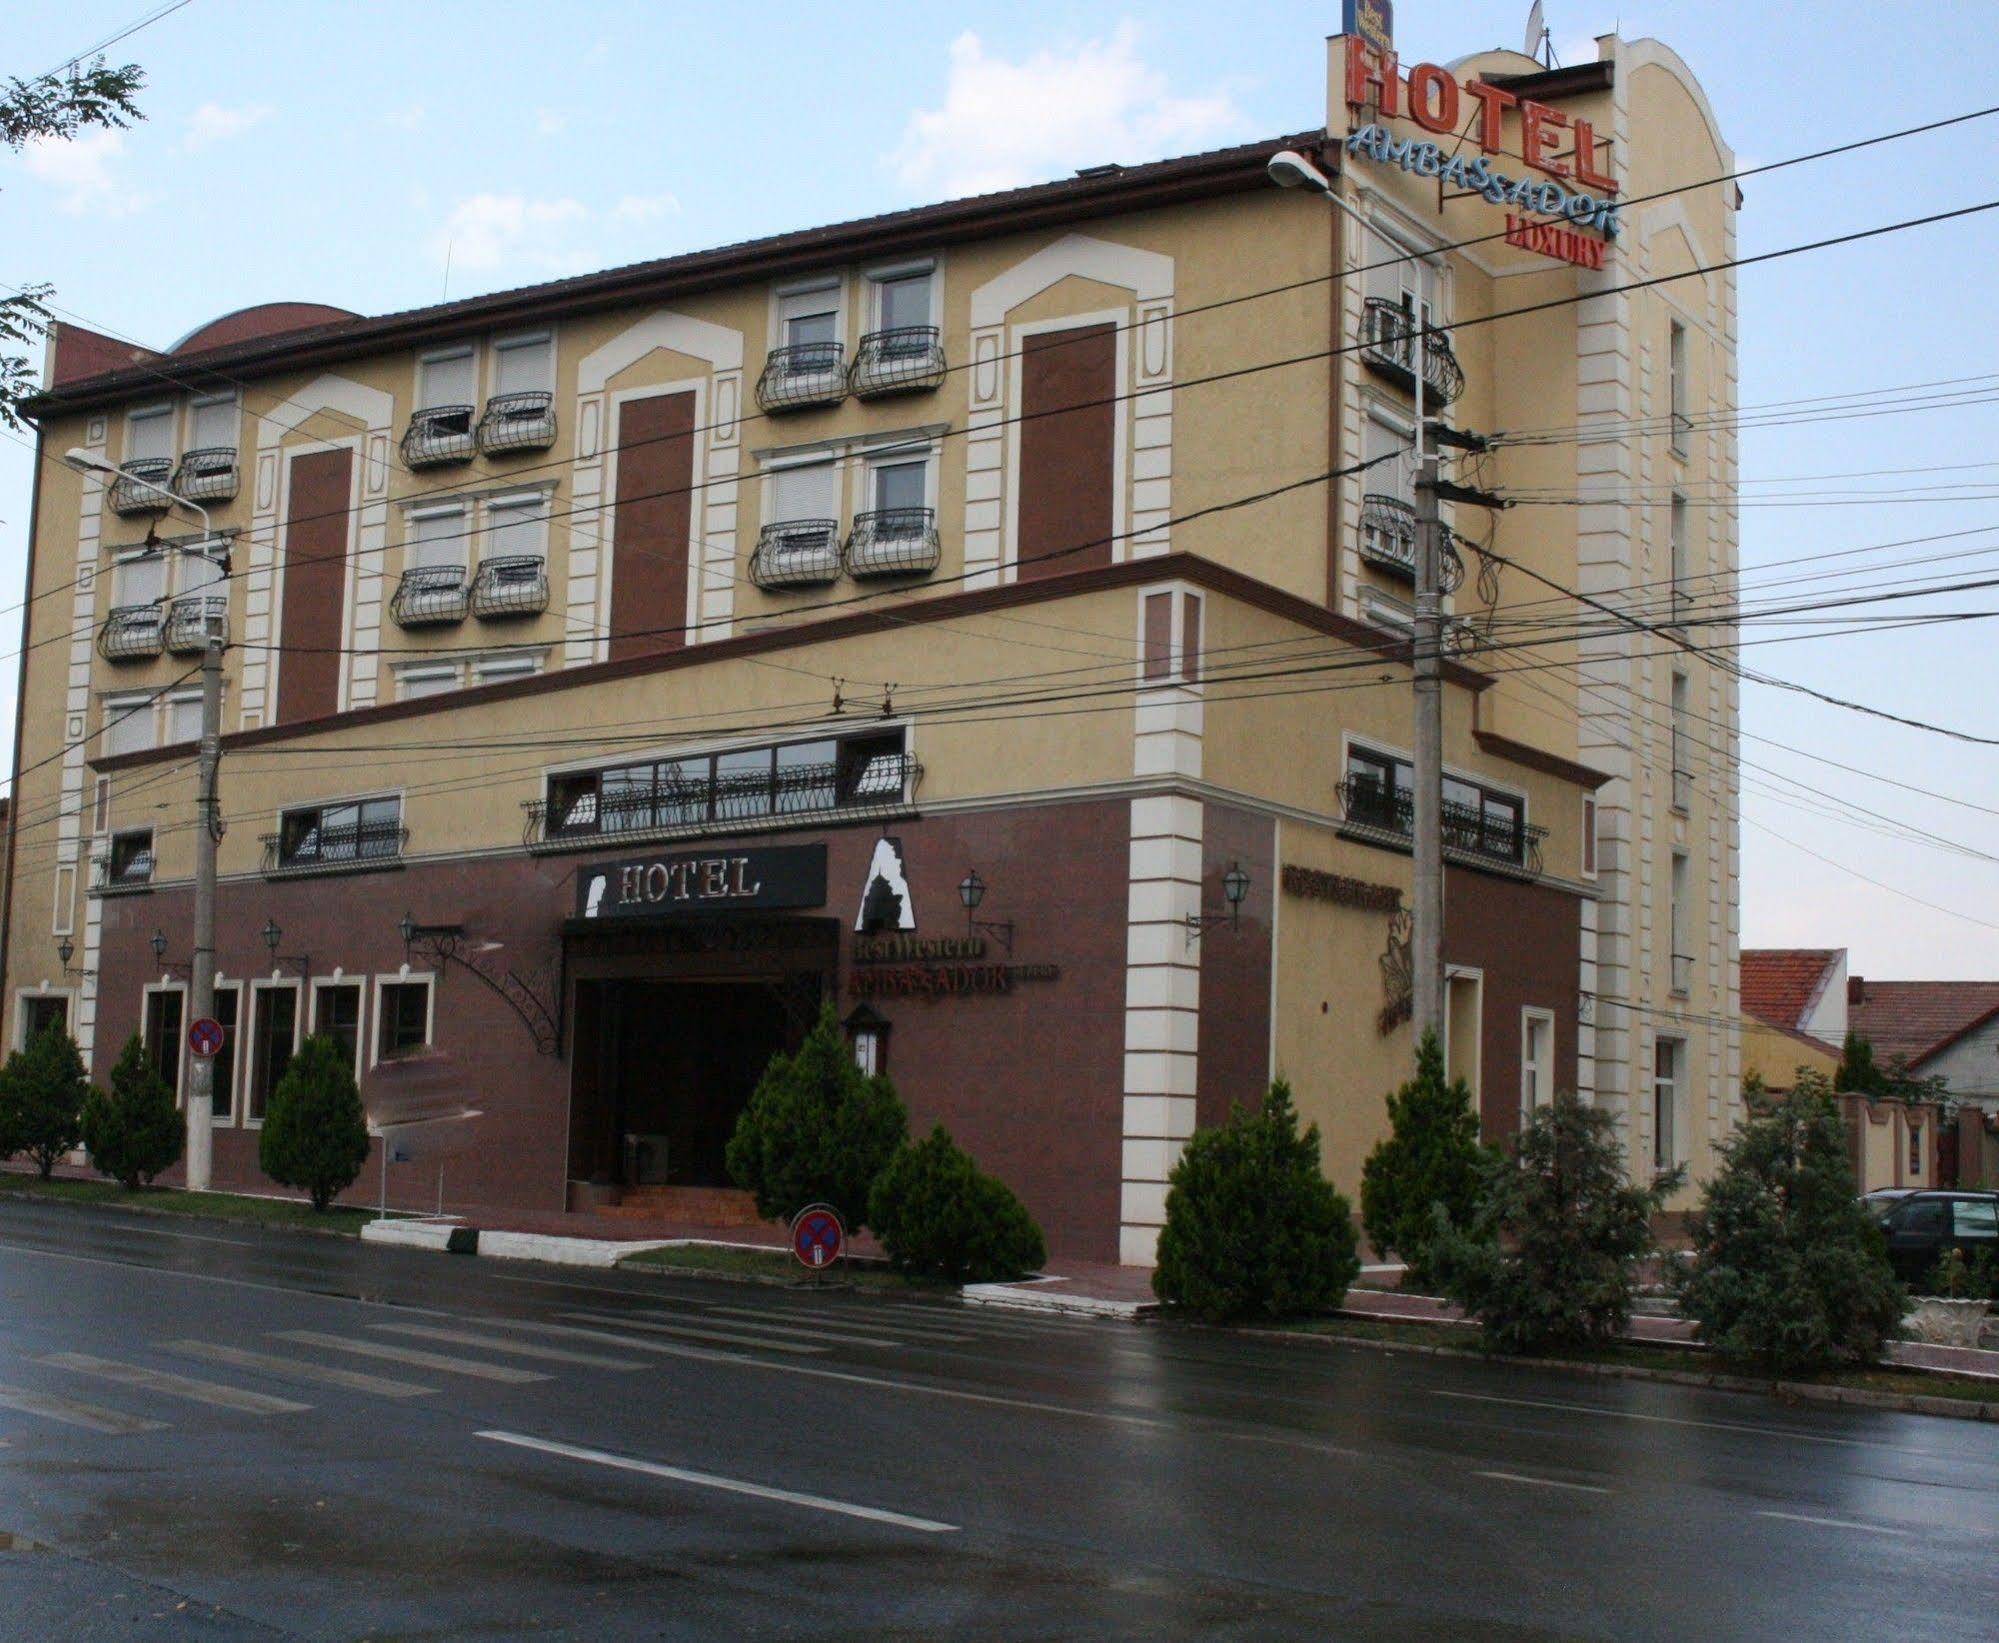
(717, 881)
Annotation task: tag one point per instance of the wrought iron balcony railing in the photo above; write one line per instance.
(133, 872)
(796, 553)
(905, 360)
(207, 475)
(884, 785)
(132, 633)
(802, 375)
(518, 422)
(1683, 974)
(893, 542)
(141, 485)
(1388, 345)
(428, 595)
(515, 584)
(1469, 831)
(189, 619)
(334, 849)
(1388, 534)
(438, 435)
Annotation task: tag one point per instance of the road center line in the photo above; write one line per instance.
(1835, 1523)
(1544, 1483)
(734, 1486)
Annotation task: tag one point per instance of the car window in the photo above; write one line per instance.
(1974, 1218)
(1924, 1215)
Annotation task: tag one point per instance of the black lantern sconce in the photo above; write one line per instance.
(158, 942)
(272, 936)
(1235, 888)
(867, 1032)
(972, 891)
(65, 951)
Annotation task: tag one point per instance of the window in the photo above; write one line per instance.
(128, 724)
(901, 484)
(804, 491)
(428, 681)
(403, 1019)
(1974, 1218)
(184, 717)
(1681, 596)
(524, 365)
(448, 377)
(810, 317)
(149, 434)
(212, 423)
(43, 1010)
(1387, 445)
(202, 569)
(1589, 835)
(1683, 779)
(1676, 385)
(436, 538)
(1682, 925)
(356, 830)
(273, 1039)
(336, 1014)
(1380, 792)
(139, 578)
(1537, 1060)
(490, 670)
(224, 1098)
(1917, 1215)
(131, 859)
(1915, 1148)
(1667, 1055)
(517, 525)
(164, 1010)
(902, 300)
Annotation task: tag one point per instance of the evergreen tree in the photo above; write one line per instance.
(1789, 1270)
(817, 1130)
(315, 1135)
(41, 1097)
(1253, 1227)
(133, 1130)
(1858, 1071)
(1431, 1155)
(940, 1216)
(1549, 1260)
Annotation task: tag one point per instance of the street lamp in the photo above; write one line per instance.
(65, 951)
(972, 891)
(1235, 890)
(89, 462)
(272, 935)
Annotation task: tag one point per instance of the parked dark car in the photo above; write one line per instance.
(1925, 1224)
(1882, 1200)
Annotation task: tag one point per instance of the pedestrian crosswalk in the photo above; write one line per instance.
(401, 1359)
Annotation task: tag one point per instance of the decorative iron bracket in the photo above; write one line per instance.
(446, 943)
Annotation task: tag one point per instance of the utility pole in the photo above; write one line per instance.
(1427, 665)
(201, 1075)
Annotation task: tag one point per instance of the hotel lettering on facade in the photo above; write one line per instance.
(619, 667)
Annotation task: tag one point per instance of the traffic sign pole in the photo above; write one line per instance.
(817, 1239)
(207, 832)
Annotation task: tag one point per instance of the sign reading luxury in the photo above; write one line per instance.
(704, 882)
(1437, 100)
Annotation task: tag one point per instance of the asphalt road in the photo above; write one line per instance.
(215, 1432)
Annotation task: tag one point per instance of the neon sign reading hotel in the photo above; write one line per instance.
(1436, 99)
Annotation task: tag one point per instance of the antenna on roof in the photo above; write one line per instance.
(1539, 43)
(446, 296)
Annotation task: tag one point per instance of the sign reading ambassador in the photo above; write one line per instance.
(703, 881)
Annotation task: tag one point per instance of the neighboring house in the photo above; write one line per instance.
(1793, 1012)
(1941, 1029)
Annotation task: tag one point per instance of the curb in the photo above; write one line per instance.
(1016, 1297)
(211, 1218)
(455, 1239)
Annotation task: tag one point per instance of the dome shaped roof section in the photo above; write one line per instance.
(264, 319)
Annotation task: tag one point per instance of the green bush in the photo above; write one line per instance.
(133, 1130)
(1253, 1228)
(1431, 1155)
(41, 1098)
(1549, 1261)
(817, 1130)
(315, 1135)
(940, 1216)
(1789, 1270)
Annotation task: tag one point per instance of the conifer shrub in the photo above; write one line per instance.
(940, 1216)
(315, 1135)
(1789, 1270)
(42, 1089)
(1549, 1261)
(1432, 1155)
(1253, 1229)
(817, 1130)
(133, 1129)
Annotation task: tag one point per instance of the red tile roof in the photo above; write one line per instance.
(1781, 984)
(1913, 1019)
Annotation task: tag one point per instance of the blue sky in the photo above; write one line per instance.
(341, 153)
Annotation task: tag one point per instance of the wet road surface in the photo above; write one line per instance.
(211, 1431)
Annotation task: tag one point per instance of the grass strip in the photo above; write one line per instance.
(207, 1206)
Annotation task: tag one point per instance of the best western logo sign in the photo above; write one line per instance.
(1435, 99)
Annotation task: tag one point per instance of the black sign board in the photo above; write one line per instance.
(703, 881)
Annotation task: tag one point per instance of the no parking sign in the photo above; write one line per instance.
(817, 1236)
(204, 1037)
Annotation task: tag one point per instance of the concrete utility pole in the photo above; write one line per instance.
(1427, 664)
(208, 831)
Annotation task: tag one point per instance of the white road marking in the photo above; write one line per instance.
(1835, 1523)
(519, 1349)
(732, 1336)
(1543, 1483)
(751, 1321)
(875, 1327)
(265, 1363)
(1659, 1420)
(734, 1486)
(175, 1386)
(421, 1360)
(71, 1413)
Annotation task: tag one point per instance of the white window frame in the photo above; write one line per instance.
(1475, 1077)
(1676, 1087)
(897, 456)
(440, 356)
(492, 670)
(403, 977)
(1676, 386)
(163, 413)
(776, 465)
(203, 402)
(1542, 1092)
(466, 535)
(514, 342)
(873, 279)
(23, 994)
(359, 983)
(1589, 859)
(426, 671)
(124, 559)
(116, 705)
(268, 984)
(842, 308)
(1679, 887)
(508, 501)
(180, 1039)
(238, 1099)
(180, 699)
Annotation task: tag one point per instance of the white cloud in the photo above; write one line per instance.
(547, 122)
(404, 119)
(644, 208)
(1007, 123)
(488, 233)
(212, 123)
(86, 171)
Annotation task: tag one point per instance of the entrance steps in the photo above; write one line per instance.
(695, 1206)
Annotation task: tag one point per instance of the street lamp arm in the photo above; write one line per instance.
(90, 463)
